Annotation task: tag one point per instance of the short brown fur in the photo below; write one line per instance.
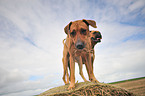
(77, 32)
(93, 43)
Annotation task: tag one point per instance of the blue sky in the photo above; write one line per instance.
(31, 34)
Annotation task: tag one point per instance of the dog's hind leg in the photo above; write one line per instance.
(80, 63)
(67, 76)
(65, 70)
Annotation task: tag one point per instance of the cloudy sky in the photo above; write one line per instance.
(31, 34)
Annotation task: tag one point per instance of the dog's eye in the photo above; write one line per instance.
(73, 33)
(83, 31)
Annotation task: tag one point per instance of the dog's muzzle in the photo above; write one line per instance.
(80, 45)
(97, 40)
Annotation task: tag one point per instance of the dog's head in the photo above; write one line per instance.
(78, 32)
(95, 37)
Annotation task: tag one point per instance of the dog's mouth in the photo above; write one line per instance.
(96, 40)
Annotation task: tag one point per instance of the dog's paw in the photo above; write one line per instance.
(66, 83)
(71, 86)
(94, 80)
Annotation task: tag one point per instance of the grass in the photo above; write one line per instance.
(127, 80)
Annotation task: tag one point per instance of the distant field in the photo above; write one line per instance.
(136, 85)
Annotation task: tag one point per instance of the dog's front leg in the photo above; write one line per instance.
(72, 73)
(89, 67)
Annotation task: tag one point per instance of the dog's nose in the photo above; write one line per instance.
(98, 35)
(80, 46)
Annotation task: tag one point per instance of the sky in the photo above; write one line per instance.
(31, 48)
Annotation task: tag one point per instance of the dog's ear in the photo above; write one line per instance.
(90, 22)
(67, 28)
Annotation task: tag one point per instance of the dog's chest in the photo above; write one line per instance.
(78, 53)
(77, 59)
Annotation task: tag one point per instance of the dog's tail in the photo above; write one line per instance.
(63, 41)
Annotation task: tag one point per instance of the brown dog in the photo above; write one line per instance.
(79, 46)
(95, 37)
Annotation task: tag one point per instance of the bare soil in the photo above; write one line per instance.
(135, 86)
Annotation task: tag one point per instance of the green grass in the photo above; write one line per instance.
(127, 80)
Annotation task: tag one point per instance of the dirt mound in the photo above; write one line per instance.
(87, 89)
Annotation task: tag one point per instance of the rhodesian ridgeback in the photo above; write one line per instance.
(79, 46)
(95, 37)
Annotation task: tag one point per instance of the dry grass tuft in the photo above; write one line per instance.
(87, 89)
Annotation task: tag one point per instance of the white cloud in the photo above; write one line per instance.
(125, 59)
(10, 77)
(137, 5)
(31, 37)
